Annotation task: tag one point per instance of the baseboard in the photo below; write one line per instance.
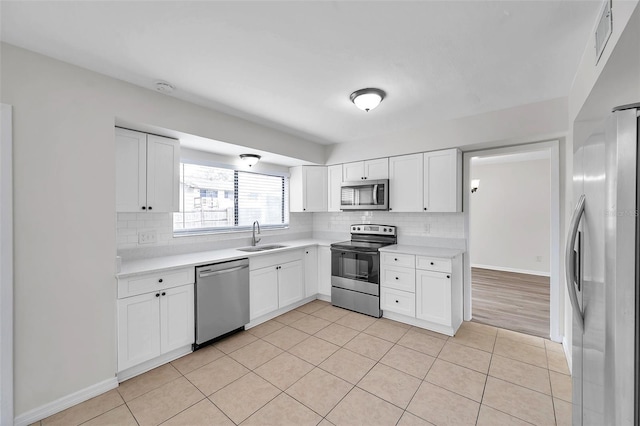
(506, 269)
(271, 315)
(324, 297)
(153, 363)
(65, 402)
(567, 354)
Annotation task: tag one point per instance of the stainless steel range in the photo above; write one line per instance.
(355, 268)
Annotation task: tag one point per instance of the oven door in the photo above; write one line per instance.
(356, 270)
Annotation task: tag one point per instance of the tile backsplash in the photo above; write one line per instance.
(441, 225)
(411, 227)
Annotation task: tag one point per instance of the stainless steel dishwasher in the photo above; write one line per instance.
(222, 299)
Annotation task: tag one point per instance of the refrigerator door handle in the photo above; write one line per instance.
(570, 260)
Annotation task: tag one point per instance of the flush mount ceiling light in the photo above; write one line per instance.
(250, 159)
(367, 99)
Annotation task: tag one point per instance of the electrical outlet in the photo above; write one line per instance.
(538, 258)
(147, 237)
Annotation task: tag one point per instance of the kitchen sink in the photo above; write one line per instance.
(261, 248)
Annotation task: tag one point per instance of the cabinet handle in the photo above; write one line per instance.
(150, 207)
(390, 209)
(164, 293)
(160, 280)
(144, 208)
(304, 209)
(425, 208)
(307, 252)
(397, 301)
(157, 294)
(431, 263)
(448, 276)
(396, 259)
(397, 278)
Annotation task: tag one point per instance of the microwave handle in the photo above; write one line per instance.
(375, 194)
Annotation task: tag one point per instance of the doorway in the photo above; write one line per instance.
(509, 241)
(512, 225)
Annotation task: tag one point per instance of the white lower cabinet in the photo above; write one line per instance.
(153, 324)
(310, 271)
(290, 283)
(433, 297)
(422, 291)
(275, 281)
(324, 271)
(263, 294)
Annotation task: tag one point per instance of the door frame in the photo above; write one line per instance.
(6, 265)
(555, 289)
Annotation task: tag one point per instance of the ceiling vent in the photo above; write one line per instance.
(603, 30)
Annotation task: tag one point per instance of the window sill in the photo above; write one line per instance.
(203, 232)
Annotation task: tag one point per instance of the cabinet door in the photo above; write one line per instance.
(176, 318)
(163, 174)
(377, 169)
(324, 270)
(290, 283)
(263, 294)
(131, 171)
(433, 297)
(442, 181)
(406, 183)
(315, 188)
(334, 182)
(138, 329)
(310, 271)
(353, 171)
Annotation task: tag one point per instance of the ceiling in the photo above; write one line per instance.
(291, 65)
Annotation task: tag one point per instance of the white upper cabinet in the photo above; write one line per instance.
(406, 183)
(370, 169)
(147, 172)
(308, 189)
(334, 182)
(443, 181)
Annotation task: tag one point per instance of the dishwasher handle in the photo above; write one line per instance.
(208, 273)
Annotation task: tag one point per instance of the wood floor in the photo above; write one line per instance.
(517, 302)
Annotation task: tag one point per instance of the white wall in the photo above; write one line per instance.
(64, 211)
(509, 219)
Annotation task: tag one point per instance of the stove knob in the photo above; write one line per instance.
(358, 228)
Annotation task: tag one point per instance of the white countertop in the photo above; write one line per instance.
(141, 266)
(446, 253)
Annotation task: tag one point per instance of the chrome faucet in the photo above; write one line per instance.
(255, 241)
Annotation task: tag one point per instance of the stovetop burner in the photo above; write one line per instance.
(368, 238)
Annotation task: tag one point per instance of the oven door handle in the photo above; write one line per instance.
(374, 253)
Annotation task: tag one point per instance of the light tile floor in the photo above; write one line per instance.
(323, 365)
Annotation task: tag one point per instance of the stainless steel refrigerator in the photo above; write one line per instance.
(602, 272)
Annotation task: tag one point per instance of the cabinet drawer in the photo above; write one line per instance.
(433, 264)
(264, 260)
(141, 284)
(399, 278)
(398, 301)
(394, 259)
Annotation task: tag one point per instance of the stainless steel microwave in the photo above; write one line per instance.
(365, 195)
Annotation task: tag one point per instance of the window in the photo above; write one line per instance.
(216, 199)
